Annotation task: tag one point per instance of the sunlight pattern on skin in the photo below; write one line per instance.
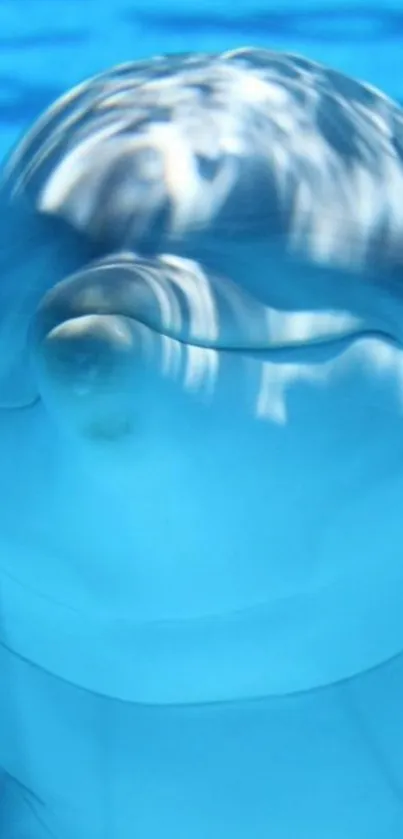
(375, 355)
(182, 156)
(187, 303)
(174, 137)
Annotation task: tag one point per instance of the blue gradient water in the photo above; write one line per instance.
(108, 762)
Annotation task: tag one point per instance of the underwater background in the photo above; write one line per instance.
(49, 45)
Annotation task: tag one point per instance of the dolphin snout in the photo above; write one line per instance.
(89, 348)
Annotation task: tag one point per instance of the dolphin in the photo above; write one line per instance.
(201, 405)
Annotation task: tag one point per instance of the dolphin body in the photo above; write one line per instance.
(201, 448)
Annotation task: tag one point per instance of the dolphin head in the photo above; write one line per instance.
(205, 380)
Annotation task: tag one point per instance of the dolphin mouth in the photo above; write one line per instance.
(177, 299)
(321, 347)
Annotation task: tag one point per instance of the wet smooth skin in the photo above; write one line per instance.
(201, 384)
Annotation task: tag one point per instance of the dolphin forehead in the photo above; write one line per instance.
(248, 143)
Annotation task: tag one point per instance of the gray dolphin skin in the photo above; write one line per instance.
(201, 449)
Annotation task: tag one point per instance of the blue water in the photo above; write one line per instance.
(112, 738)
